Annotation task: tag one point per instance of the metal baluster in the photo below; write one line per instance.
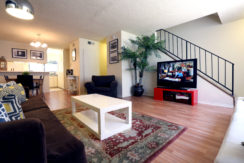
(168, 41)
(177, 47)
(165, 40)
(173, 44)
(181, 49)
(218, 68)
(186, 49)
(212, 65)
(195, 51)
(205, 61)
(190, 50)
(233, 79)
(225, 72)
(200, 59)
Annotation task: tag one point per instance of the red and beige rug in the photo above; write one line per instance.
(142, 143)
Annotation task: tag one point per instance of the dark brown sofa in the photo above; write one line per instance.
(39, 138)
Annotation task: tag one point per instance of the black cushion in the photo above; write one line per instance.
(23, 141)
(102, 89)
(33, 103)
(103, 81)
(62, 147)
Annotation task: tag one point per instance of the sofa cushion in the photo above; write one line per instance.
(33, 103)
(16, 89)
(11, 83)
(12, 107)
(61, 145)
(3, 114)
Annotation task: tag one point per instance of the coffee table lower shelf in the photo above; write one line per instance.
(113, 124)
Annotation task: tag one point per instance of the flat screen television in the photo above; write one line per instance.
(177, 74)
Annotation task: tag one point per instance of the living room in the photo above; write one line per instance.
(183, 104)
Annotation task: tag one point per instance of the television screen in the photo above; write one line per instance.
(178, 74)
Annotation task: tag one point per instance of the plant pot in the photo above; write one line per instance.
(138, 90)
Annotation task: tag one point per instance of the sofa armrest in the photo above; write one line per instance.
(23, 141)
(90, 85)
(114, 84)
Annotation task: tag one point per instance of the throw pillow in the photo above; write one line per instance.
(2, 85)
(16, 89)
(11, 83)
(3, 114)
(12, 107)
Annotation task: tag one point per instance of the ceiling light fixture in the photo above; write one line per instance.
(21, 9)
(38, 44)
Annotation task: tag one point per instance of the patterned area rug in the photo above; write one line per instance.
(147, 138)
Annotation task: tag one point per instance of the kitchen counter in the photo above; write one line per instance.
(14, 73)
(36, 75)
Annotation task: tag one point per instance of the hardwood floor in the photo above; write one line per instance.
(206, 126)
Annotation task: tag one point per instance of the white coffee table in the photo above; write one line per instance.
(97, 118)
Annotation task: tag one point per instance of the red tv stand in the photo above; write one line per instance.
(177, 95)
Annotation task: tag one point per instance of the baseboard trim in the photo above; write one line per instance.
(216, 104)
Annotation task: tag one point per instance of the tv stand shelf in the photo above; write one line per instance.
(176, 95)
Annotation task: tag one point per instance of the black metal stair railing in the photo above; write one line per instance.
(214, 67)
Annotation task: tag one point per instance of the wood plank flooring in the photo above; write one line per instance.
(206, 126)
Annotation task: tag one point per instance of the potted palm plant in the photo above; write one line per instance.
(145, 47)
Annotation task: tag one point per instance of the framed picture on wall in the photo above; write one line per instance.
(19, 53)
(38, 55)
(113, 57)
(113, 45)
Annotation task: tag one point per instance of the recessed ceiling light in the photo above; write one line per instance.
(21, 9)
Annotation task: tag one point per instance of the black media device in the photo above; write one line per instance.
(69, 72)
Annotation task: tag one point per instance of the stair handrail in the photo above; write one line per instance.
(188, 47)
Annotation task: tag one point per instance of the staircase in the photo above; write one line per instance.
(211, 67)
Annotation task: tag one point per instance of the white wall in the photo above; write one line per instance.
(116, 68)
(225, 40)
(89, 61)
(6, 51)
(209, 94)
(127, 75)
(123, 76)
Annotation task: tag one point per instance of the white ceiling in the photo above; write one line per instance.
(61, 21)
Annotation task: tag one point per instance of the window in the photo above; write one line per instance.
(36, 67)
(52, 67)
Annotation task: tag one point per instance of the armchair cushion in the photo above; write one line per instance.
(105, 85)
(103, 81)
(102, 89)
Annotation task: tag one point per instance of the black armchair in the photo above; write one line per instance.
(105, 85)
